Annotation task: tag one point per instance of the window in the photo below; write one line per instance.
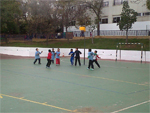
(106, 4)
(104, 21)
(139, 14)
(146, 13)
(119, 2)
(116, 19)
(143, 14)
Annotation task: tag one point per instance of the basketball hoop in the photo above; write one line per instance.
(82, 29)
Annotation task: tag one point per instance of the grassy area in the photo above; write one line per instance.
(99, 43)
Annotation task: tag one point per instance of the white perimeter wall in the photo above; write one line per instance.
(103, 53)
(143, 25)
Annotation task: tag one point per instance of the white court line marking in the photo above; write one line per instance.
(131, 106)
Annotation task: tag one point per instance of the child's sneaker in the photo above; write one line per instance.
(87, 68)
(92, 69)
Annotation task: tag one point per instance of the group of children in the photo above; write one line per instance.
(75, 55)
(92, 58)
(51, 56)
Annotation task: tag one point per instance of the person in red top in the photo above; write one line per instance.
(49, 59)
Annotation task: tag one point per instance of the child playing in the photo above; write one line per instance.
(53, 55)
(90, 56)
(37, 56)
(72, 56)
(49, 59)
(58, 57)
(77, 56)
(95, 58)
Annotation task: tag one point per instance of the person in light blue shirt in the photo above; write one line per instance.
(37, 56)
(58, 57)
(53, 55)
(90, 57)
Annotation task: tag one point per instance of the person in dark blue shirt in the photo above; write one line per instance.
(77, 56)
(72, 56)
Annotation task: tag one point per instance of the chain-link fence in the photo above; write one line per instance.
(29, 37)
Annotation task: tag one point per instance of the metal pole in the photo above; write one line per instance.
(120, 51)
(116, 51)
(146, 30)
(145, 56)
(141, 52)
(84, 49)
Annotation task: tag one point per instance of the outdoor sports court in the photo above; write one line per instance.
(115, 87)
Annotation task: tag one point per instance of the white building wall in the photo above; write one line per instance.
(111, 11)
(143, 25)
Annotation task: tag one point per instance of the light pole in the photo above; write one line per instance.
(99, 28)
(82, 32)
(84, 47)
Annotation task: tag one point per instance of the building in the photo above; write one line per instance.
(111, 15)
(113, 8)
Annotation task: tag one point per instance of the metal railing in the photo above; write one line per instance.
(113, 33)
(78, 34)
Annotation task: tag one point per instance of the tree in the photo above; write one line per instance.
(10, 13)
(92, 27)
(148, 4)
(69, 10)
(40, 17)
(128, 17)
(45, 16)
(95, 6)
(84, 20)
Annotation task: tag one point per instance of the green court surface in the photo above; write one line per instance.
(115, 87)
